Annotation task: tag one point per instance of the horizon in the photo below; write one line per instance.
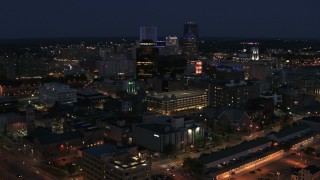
(121, 19)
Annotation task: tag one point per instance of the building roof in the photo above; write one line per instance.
(126, 160)
(90, 93)
(208, 158)
(291, 130)
(176, 94)
(234, 115)
(246, 160)
(56, 138)
(315, 119)
(105, 149)
(158, 128)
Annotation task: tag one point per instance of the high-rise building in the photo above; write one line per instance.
(190, 42)
(148, 33)
(172, 41)
(146, 56)
(191, 28)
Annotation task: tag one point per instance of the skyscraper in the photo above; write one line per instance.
(190, 42)
(146, 56)
(191, 28)
(148, 33)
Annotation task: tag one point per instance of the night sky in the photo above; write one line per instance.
(122, 18)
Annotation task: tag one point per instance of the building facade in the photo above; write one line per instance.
(232, 94)
(49, 93)
(146, 56)
(156, 136)
(149, 33)
(190, 41)
(108, 162)
(171, 102)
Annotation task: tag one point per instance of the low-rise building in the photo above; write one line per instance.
(292, 132)
(45, 144)
(90, 135)
(225, 156)
(49, 93)
(109, 162)
(91, 96)
(178, 131)
(116, 130)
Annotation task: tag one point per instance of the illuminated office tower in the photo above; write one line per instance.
(146, 56)
(148, 33)
(190, 42)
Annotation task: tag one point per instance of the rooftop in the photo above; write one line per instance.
(105, 149)
(236, 164)
(56, 138)
(157, 128)
(291, 130)
(208, 158)
(177, 94)
(89, 93)
(234, 115)
(126, 160)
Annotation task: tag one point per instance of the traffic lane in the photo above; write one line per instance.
(14, 168)
(24, 164)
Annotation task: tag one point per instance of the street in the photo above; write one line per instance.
(295, 159)
(13, 165)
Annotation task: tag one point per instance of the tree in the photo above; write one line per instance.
(169, 149)
(193, 165)
(200, 143)
(216, 140)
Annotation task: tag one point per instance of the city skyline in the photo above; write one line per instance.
(123, 19)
